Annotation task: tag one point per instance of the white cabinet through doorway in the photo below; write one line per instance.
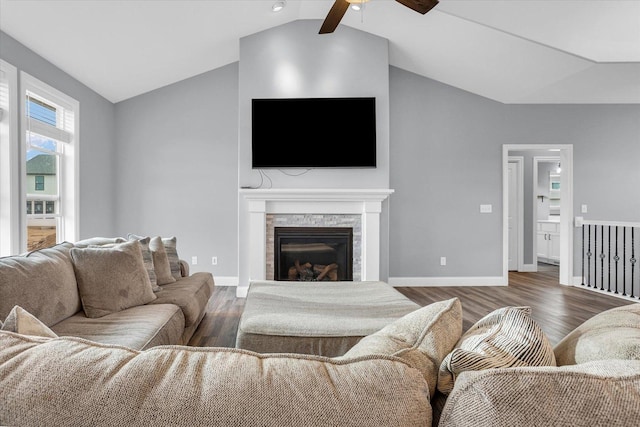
(548, 239)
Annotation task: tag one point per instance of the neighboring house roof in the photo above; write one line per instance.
(42, 164)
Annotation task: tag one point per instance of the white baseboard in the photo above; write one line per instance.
(447, 281)
(226, 280)
(242, 291)
(577, 283)
(528, 268)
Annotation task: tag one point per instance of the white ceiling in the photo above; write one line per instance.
(535, 51)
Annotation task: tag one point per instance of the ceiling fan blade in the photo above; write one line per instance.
(334, 16)
(421, 6)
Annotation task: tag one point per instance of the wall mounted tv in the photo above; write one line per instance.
(313, 133)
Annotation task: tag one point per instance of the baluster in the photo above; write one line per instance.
(624, 257)
(616, 258)
(589, 259)
(609, 260)
(633, 259)
(582, 255)
(602, 256)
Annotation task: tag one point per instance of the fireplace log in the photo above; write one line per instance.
(323, 271)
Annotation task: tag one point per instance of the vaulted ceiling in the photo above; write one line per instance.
(535, 51)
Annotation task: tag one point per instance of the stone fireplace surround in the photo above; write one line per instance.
(308, 207)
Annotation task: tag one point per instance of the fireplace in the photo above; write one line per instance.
(313, 253)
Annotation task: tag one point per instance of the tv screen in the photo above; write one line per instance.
(313, 133)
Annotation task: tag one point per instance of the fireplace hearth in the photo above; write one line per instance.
(313, 253)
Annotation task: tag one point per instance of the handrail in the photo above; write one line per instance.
(611, 223)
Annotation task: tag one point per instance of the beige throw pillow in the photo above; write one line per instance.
(506, 337)
(421, 338)
(612, 334)
(170, 245)
(147, 258)
(111, 279)
(161, 261)
(21, 321)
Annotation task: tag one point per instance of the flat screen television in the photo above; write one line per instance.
(313, 133)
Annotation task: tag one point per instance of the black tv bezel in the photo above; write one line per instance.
(274, 165)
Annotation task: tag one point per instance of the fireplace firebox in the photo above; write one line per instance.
(313, 253)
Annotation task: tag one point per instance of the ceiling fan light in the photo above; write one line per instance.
(278, 6)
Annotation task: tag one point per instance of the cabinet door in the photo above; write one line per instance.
(554, 247)
(543, 245)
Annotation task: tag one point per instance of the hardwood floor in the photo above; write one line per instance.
(557, 309)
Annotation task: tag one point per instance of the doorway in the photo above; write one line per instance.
(527, 246)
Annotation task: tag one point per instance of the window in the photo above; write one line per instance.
(29, 208)
(50, 139)
(39, 182)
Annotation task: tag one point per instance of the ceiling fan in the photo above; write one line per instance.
(340, 7)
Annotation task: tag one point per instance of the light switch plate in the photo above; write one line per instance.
(583, 209)
(486, 208)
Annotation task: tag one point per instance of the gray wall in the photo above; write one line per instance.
(174, 170)
(176, 167)
(97, 136)
(292, 60)
(446, 154)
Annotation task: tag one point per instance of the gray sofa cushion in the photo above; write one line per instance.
(138, 327)
(612, 334)
(42, 282)
(111, 279)
(191, 294)
(95, 384)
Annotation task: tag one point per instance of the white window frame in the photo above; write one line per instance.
(69, 208)
(9, 161)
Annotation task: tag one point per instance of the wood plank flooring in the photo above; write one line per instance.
(557, 309)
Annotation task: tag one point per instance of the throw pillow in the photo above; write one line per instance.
(98, 241)
(147, 258)
(170, 245)
(161, 261)
(612, 334)
(421, 338)
(507, 337)
(21, 321)
(111, 279)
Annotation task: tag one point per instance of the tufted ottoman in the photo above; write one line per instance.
(322, 318)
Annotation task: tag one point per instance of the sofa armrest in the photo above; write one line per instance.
(184, 268)
(589, 394)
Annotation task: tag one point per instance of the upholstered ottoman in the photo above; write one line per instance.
(322, 318)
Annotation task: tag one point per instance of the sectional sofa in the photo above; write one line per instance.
(419, 370)
(99, 289)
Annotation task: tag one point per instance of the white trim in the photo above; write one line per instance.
(566, 207)
(255, 204)
(577, 283)
(529, 268)
(226, 280)
(446, 281)
(9, 164)
(69, 175)
(519, 161)
(242, 291)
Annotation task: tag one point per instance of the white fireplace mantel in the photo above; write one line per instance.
(255, 204)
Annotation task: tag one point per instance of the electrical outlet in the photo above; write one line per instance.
(443, 260)
(194, 260)
(214, 260)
